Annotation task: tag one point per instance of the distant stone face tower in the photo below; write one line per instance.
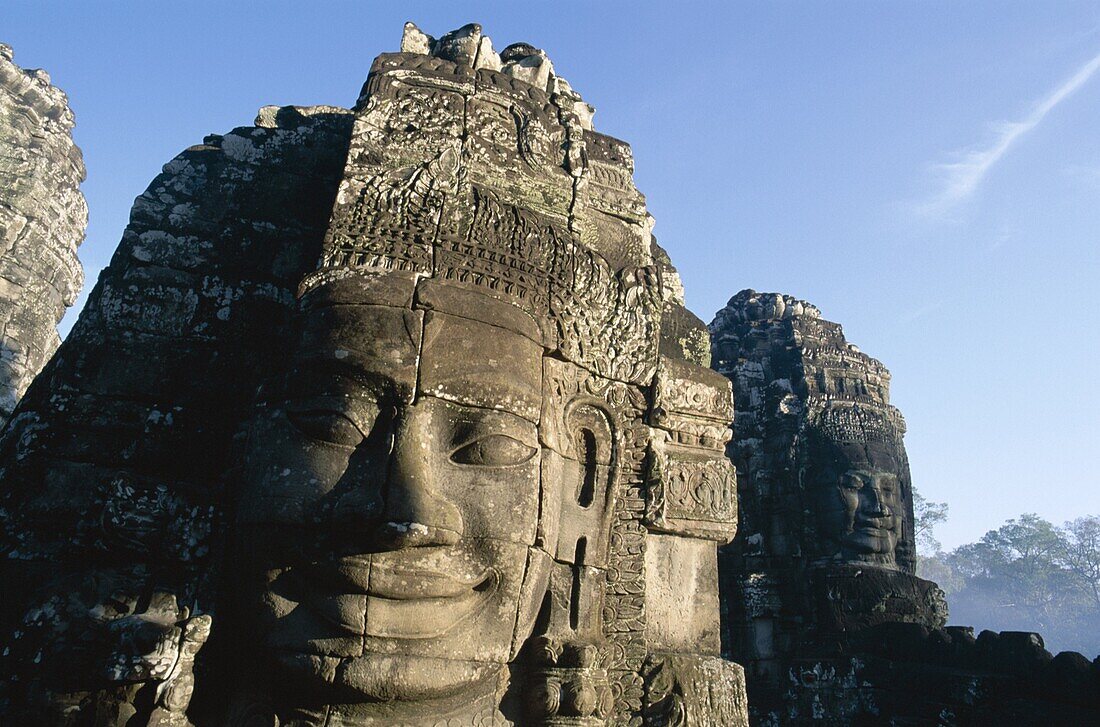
(826, 545)
(42, 220)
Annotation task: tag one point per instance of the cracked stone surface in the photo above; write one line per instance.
(42, 221)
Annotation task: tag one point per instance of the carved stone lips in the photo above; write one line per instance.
(408, 584)
(875, 525)
(875, 532)
(369, 575)
(363, 596)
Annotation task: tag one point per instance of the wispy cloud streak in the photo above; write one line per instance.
(961, 178)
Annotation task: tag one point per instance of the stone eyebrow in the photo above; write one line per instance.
(320, 371)
(491, 421)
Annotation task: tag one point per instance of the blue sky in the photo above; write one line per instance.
(927, 173)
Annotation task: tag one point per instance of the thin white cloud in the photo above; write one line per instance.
(917, 313)
(960, 179)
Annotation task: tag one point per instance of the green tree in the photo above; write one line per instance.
(926, 516)
(1081, 557)
(1028, 575)
(1017, 567)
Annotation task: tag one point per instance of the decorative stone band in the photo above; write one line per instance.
(843, 421)
(691, 486)
(569, 685)
(693, 405)
(683, 689)
(691, 494)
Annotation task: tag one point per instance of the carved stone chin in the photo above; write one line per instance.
(391, 493)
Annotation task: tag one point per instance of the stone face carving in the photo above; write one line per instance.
(826, 546)
(404, 378)
(855, 483)
(817, 435)
(42, 220)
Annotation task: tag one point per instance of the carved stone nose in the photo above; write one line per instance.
(874, 503)
(415, 514)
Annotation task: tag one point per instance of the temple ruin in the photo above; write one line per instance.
(394, 414)
(820, 599)
(381, 415)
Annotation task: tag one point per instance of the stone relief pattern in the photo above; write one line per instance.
(515, 145)
(392, 223)
(42, 221)
(624, 604)
(513, 265)
(404, 123)
(702, 492)
(691, 485)
(502, 246)
(693, 691)
(856, 422)
(691, 406)
(571, 685)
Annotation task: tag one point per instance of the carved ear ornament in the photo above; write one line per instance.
(569, 684)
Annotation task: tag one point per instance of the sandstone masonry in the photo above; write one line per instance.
(42, 220)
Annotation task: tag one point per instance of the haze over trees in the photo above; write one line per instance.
(1027, 575)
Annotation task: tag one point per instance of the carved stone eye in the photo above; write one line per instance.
(851, 482)
(494, 450)
(327, 426)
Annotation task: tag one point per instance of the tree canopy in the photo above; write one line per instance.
(1027, 575)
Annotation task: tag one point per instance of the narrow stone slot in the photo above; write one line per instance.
(587, 445)
(575, 594)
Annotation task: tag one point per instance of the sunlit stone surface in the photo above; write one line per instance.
(42, 220)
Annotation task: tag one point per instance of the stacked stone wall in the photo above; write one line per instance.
(42, 220)
(908, 674)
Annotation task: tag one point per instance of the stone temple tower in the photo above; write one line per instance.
(826, 544)
(42, 220)
(382, 415)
